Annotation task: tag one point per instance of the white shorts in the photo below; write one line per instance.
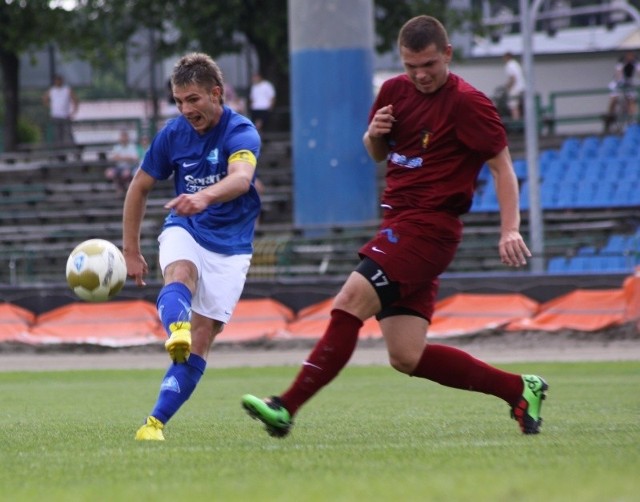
(221, 277)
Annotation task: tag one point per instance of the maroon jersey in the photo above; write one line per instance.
(438, 144)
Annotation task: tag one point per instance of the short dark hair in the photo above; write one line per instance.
(200, 69)
(422, 31)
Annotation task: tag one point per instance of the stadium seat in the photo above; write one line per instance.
(589, 147)
(575, 170)
(593, 170)
(484, 173)
(489, 198)
(524, 195)
(547, 156)
(610, 264)
(608, 147)
(587, 251)
(520, 168)
(616, 244)
(566, 197)
(580, 264)
(549, 199)
(570, 148)
(557, 265)
(555, 170)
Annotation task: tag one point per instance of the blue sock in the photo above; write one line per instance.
(174, 304)
(177, 386)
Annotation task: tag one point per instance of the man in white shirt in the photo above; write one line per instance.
(63, 104)
(514, 85)
(263, 99)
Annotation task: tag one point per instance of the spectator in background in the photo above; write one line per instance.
(63, 105)
(263, 99)
(623, 87)
(514, 85)
(126, 157)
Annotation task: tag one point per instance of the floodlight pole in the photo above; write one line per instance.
(536, 226)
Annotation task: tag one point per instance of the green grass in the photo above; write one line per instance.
(372, 435)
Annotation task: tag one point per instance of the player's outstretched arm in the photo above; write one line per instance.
(512, 248)
(135, 204)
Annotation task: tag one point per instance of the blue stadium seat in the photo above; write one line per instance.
(484, 173)
(608, 147)
(632, 133)
(589, 147)
(575, 170)
(611, 264)
(612, 169)
(587, 251)
(555, 170)
(593, 170)
(520, 168)
(549, 199)
(626, 194)
(628, 149)
(602, 195)
(566, 196)
(617, 244)
(569, 148)
(547, 155)
(557, 265)
(581, 263)
(585, 191)
(524, 195)
(489, 198)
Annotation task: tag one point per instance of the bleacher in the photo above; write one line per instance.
(49, 206)
(589, 194)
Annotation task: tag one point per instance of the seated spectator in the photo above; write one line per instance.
(126, 157)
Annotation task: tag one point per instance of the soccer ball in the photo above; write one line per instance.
(96, 270)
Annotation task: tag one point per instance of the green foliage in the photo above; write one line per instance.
(372, 435)
(25, 25)
(390, 15)
(28, 132)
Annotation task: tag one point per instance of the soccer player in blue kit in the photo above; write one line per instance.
(206, 243)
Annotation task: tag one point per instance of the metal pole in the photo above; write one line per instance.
(536, 227)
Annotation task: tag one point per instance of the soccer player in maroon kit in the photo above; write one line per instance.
(436, 132)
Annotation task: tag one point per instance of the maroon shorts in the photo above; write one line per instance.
(413, 248)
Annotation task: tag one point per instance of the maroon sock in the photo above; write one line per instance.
(330, 355)
(455, 368)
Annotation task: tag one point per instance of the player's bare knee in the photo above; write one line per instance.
(402, 363)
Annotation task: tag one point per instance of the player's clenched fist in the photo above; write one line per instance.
(382, 122)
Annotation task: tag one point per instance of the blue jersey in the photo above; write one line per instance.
(198, 161)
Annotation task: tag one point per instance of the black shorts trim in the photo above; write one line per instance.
(387, 291)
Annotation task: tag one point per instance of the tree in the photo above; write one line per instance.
(95, 30)
(24, 26)
(226, 27)
(100, 31)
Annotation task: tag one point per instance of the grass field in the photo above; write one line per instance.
(373, 435)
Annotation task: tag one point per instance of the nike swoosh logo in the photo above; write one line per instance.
(377, 250)
(307, 363)
(184, 164)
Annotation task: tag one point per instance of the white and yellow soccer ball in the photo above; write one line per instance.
(96, 270)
